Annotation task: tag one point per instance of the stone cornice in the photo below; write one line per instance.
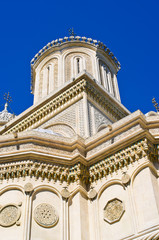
(79, 172)
(71, 160)
(62, 99)
(122, 133)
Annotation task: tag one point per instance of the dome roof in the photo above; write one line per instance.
(5, 116)
(72, 39)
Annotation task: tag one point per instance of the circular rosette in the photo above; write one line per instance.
(9, 215)
(45, 215)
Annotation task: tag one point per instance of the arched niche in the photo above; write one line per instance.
(146, 197)
(12, 220)
(62, 129)
(46, 214)
(71, 64)
(112, 218)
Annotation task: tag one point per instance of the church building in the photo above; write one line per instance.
(77, 165)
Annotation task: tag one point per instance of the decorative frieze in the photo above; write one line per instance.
(122, 159)
(61, 173)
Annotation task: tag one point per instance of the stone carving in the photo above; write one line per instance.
(9, 215)
(125, 179)
(28, 188)
(100, 118)
(45, 215)
(92, 194)
(65, 193)
(113, 210)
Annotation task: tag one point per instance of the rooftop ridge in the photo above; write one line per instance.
(60, 41)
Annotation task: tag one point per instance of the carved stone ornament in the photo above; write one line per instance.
(28, 188)
(92, 194)
(45, 215)
(65, 193)
(9, 215)
(113, 210)
(125, 179)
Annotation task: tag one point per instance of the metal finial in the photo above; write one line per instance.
(7, 97)
(155, 104)
(71, 32)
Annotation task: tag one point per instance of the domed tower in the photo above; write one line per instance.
(62, 60)
(83, 73)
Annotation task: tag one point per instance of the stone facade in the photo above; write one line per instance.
(77, 164)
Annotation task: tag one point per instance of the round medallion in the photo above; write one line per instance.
(45, 215)
(125, 179)
(65, 193)
(9, 215)
(92, 194)
(28, 187)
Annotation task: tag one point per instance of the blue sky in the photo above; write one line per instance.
(129, 28)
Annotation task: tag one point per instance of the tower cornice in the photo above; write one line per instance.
(63, 98)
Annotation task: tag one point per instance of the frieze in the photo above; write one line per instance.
(122, 159)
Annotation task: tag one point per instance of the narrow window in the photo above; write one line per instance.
(48, 78)
(78, 65)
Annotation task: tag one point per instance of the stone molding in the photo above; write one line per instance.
(151, 236)
(79, 172)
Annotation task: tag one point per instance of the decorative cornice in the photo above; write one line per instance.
(61, 41)
(55, 104)
(79, 172)
(44, 171)
(122, 159)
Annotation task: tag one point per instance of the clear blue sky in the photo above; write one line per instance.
(130, 28)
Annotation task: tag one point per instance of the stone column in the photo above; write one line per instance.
(116, 88)
(28, 189)
(98, 70)
(110, 82)
(65, 195)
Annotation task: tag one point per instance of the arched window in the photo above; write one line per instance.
(78, 65)
(48, 78)
(106, 78)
